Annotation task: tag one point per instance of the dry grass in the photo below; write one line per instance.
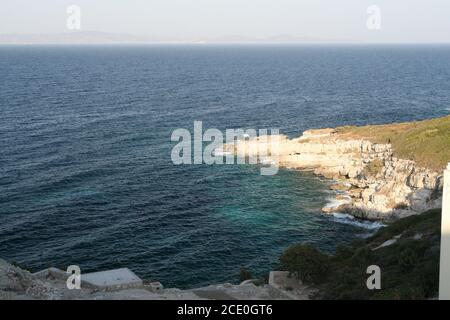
(426, 142)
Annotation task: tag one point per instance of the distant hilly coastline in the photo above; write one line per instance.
(71, 38)
(96, 37)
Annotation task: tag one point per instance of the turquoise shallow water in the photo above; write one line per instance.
(85, 170)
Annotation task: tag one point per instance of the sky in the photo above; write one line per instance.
(412, 21)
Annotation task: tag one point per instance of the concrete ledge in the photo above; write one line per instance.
(155, 287)
(116, 279)
(277, 279)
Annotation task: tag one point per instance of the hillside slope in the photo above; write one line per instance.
(407, 252)
(426, 142)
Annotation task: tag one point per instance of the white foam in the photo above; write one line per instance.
(351, 220)
(335, 203)
(219, 152)
(343, 216)
(267, 161)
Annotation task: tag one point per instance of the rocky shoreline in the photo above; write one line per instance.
(122, 284)
(370, 181)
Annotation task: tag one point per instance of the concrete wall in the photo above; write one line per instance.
(444, 281)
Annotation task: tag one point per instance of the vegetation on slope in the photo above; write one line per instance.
(409, 267)
(426, 142)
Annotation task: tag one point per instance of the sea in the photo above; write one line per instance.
(86, 175)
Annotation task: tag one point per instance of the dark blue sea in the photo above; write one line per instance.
(86, 176)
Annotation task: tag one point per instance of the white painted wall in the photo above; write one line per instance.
(444, 280)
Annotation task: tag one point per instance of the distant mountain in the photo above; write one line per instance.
(82, 37)
(95, 37)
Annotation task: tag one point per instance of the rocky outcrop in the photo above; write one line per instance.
(51, 284)
(16, 283)
(378, 185)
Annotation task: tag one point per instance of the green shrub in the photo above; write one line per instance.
(407, 259)
(343, 252)
(306, 263)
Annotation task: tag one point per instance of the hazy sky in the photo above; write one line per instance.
(344, 20)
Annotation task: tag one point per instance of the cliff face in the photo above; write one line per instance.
(372, 182)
